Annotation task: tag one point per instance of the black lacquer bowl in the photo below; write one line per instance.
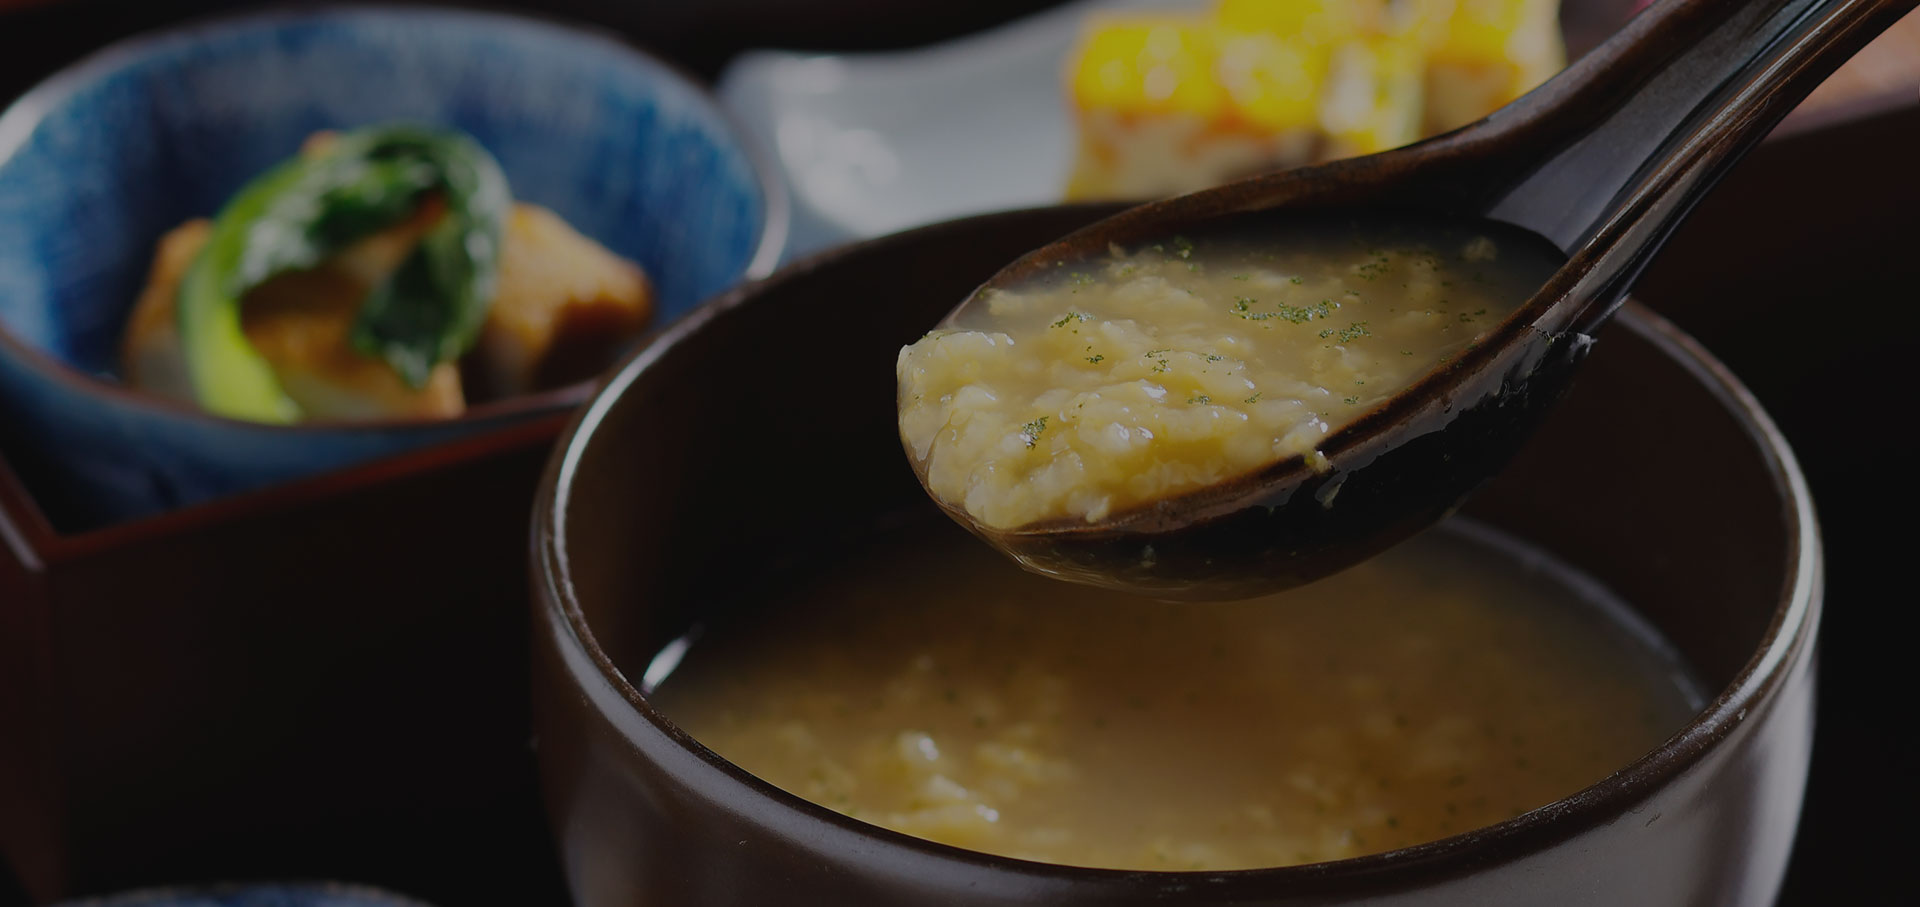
(761, 428)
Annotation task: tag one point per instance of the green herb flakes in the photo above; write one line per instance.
(1032, 431)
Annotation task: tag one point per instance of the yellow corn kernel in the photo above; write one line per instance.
(1147, 65)
(1272, 82)
(1492, 52)
(1424, 22)
(1486, 30)
(1374, 96)
(1319, 22)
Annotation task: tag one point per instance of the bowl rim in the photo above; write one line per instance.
(1788, 637)
(20, 118)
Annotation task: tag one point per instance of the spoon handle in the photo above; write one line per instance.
(1641, 127)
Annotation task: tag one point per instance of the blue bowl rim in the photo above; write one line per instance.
(21, 117)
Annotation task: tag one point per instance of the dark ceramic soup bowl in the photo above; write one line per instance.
(761, 427)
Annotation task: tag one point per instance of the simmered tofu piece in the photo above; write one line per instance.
(300, 323)
(565, 305)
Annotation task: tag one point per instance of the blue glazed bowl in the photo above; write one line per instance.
(316, 894)
(101, 159)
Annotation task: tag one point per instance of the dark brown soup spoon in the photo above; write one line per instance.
(1601, 162)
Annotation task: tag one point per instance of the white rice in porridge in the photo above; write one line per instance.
(1116, 382)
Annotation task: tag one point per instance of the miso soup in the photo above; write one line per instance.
(932, 687)
(1104, 385)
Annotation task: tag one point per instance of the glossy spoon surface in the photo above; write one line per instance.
(1599, 163)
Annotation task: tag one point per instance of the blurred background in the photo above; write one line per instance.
(1827, 213)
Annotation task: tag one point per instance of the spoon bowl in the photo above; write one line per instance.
(1601, 162)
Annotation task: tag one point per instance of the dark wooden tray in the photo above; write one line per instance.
(327, 679)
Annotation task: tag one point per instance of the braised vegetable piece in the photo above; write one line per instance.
(381, 274)
(298, 214)
(300, 324)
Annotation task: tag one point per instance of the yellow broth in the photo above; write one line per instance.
(934, 688)
(1107, 384)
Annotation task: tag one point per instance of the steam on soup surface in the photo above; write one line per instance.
(933, 688)
(1107, 384)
